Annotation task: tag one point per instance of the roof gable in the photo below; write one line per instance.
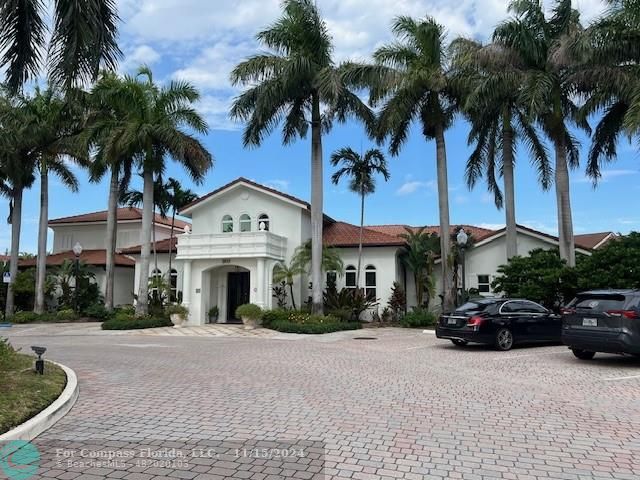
(126, 214)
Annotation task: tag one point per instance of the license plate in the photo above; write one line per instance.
(589, 322)
(452, 321)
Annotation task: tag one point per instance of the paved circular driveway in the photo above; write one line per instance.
(403, 406)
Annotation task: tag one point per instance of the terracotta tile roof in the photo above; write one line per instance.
(593, 240)
(125, 213)
(341, 234)
(4, 258)
(162, 246)
(259, 186)
(396, 230)
(90, 257)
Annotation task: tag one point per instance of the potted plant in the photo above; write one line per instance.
(178, 314)
(250, 314)
(213, 314)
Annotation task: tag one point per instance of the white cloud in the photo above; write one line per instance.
(541, 226)
(412, 186)
(282, 185)
(491, 226)
(140, 55)
(608, 175)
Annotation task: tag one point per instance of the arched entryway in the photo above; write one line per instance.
(226, 287)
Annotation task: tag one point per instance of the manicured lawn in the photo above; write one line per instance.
(24, 393)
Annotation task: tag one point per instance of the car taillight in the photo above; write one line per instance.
(567, 311)
(475, 321)
(623, 313)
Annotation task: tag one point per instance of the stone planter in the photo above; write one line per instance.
(250, 323)
(177, 319)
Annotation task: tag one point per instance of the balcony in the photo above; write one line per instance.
(232, 245)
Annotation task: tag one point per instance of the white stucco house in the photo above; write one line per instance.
(242, 230)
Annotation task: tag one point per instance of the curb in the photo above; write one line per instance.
(50, 415)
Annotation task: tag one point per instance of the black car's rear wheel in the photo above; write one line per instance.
(504, 339)
(458, 342)
(583, 354)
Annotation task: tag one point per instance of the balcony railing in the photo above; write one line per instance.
(232, 245)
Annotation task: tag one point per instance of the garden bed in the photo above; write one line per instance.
(123, 321)
(292, 321)
(24, 392)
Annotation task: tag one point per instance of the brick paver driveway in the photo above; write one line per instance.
(403, 406)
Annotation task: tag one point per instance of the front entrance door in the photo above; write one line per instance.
(237, 293)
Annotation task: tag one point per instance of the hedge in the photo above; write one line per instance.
(418, 319)
(313, 327)
(123, 321)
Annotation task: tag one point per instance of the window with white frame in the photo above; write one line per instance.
(227, 224)
(484, 283)
(350, 277)
(370, 281)
(245, 223)
(173, 284)
(263, 222)
(156, 281)
(332, 277)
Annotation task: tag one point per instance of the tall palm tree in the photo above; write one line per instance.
(157, 125)
(287, 273)
(361, 170)
(80, 40)
(177, 197)
(291, 85)
(418, 256)
(55, 123)
(17, 173)
(111, 158)
(492, 104)
(410, 81)
(543, 47)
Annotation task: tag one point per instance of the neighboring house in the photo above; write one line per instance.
(89, 230)
(242, 230)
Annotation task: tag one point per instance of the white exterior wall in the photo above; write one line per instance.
(123, 284)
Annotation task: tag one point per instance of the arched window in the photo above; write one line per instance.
(263, 222)
(245, 223)
(370, 281)
(227, 224)
(156, 281)
(173, 284)
(350, 277)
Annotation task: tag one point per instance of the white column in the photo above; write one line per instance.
(186, 283)
(260, 283)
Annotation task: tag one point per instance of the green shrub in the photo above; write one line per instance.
(177, 310)
(331, 324)
(249, 310)
(7, 352)
(418, 318)
(25, 317)
(126, 321)
(270, 316)
(66, 315)
(97, 311)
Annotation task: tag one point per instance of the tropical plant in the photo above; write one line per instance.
(397, 301)
(361, 170)
(418, 256)
(249, 311)
(492, 103)
(410, 81)
(74, 283)
(177, 198)
(614, 265)
(79, 40)
(158, 124)
(296, 84)
(543, 48)
(283, 273)
(302, 258)
(279, 291)
(352, 301)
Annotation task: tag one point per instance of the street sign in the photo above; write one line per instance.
(6, 277)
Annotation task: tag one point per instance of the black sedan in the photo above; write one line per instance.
(501, 322)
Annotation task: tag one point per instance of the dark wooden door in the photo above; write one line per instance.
(237, 293)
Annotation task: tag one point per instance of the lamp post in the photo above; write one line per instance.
(77, 251)
(462, 238)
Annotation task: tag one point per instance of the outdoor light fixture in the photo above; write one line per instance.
(39, 362)
(462, 238)
(77, 251)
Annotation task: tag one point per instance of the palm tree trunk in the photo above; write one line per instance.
(112, 226)
(509, 188)
(443, 206)
(16, 223)
(41, 263)
(316, 207)
(142, 305)
(173, 223)
(360, 240)
(563, 197)
(293, 299)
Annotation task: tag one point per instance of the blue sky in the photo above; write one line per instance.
(201, 41)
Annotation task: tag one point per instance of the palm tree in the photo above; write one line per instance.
(54, 123)
(79, 40)
(362, 170)
(303, 256)
(410, 80)
(177, 197)
(157, 124)
(287, 273)
(543, 47)
(110, 157)
(492, 105)
(291, 85)
(418, 255)
(17, 173)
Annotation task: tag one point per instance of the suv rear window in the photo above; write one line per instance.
(600, 303)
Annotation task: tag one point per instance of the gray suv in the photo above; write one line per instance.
(602, 321)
